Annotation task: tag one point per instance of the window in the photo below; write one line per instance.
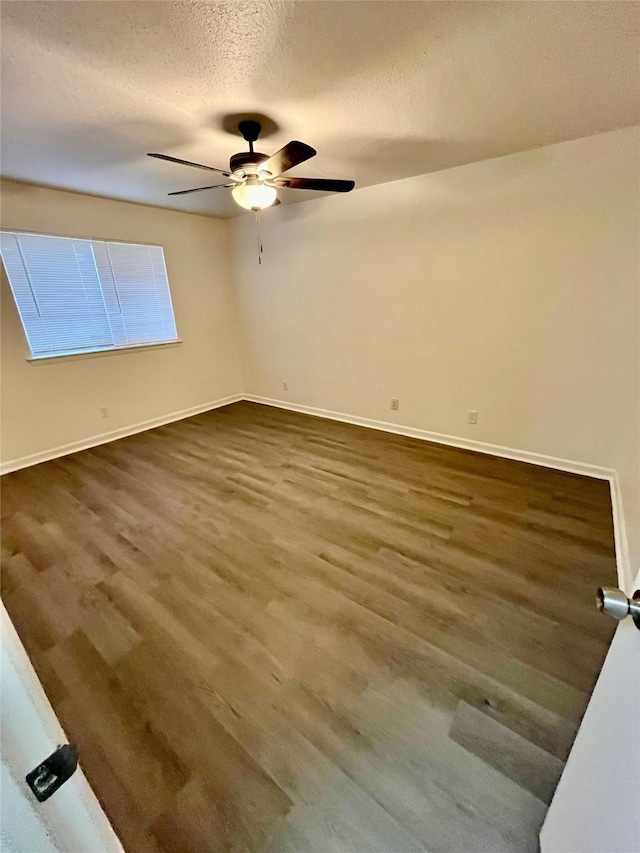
(78, 296)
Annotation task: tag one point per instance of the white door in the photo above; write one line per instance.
(596, 807)
(71, 821)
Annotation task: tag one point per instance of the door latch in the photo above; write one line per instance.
(53, 772)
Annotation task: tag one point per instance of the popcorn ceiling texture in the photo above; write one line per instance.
(383, 90)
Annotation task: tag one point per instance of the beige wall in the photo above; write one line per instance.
(508, 286)
(50, 404)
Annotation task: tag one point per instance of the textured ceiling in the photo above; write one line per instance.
(383, 90)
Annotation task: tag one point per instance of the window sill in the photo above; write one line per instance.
(77, 356)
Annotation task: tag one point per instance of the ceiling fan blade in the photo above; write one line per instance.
(189, 163)
(199, 189)
(288, 157)
(327, 185)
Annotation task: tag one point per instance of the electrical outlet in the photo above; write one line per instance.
(472, 416)
(285, 385)
(104, 412)
(395, 404)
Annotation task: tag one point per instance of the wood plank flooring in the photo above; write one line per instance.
(270, 632)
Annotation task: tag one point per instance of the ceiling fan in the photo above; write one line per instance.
(255, 178)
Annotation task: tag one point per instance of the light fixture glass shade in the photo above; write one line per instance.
(254, 196)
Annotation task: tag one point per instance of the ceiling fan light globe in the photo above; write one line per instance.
(254, 196)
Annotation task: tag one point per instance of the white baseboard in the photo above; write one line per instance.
(450, 440)
(113, 435)
(623, 564)
(625, 573)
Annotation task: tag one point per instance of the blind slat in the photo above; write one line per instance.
(75, 294)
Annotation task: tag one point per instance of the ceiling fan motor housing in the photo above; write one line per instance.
(245, 160)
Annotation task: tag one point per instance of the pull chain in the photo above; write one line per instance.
(259, 237)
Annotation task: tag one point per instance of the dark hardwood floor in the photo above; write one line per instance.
(271, 632)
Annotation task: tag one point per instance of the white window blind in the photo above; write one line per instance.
(78, 295)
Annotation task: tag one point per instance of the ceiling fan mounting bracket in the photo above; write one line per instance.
(250, 130)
